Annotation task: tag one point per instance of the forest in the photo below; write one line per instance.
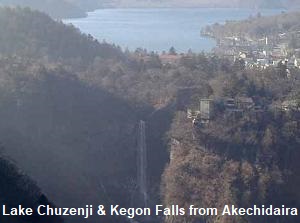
(55, 8)
(69, 112)
(259, 26)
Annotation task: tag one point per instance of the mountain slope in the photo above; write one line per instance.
(242, 159)
(35, 35)
(258, 27)
(18, 189)
(75, 140)
(192, 3)
(55, 8)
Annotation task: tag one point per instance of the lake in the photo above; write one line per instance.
(159, 29)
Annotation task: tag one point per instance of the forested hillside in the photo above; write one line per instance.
(54, 8)
(260, 26)
(32, 34)
(18, 189)
(70, 106)
(52, 123)
(77, 141)
(238, 158)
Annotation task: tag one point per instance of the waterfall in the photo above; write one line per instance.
(142, 163)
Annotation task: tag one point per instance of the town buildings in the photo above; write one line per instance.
(259, 53)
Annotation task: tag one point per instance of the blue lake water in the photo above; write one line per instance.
(159, 29)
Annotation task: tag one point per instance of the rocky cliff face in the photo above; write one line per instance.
(242, 164)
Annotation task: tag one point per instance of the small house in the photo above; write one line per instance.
(245, 103)
(263, 63)
(229, 103)
(290, 105)
(168, 59)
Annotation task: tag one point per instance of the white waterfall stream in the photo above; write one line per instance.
(142, 163)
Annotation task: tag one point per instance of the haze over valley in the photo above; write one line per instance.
(86, 122)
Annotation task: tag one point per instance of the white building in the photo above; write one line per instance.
(206, 109)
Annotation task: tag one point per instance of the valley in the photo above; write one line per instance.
(85, 122)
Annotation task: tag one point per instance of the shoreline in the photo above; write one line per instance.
(169, 7)
(201, 34)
